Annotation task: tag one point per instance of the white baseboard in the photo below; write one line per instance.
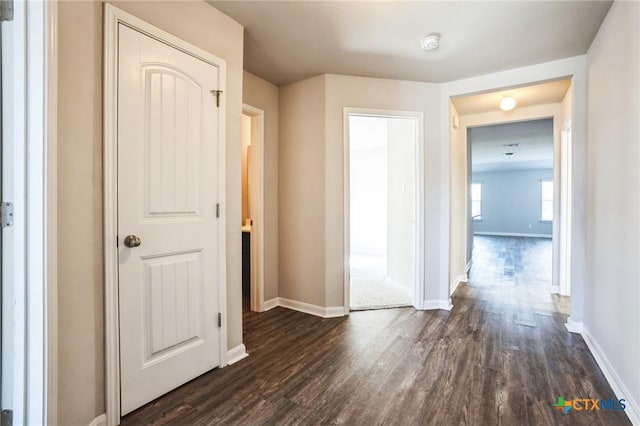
(270, 304)
(307, 308)
(574, 326)
(431, 305)
(101, 420)
(617, 385)
(456, 283)
(512, 234)
(236, 354)
(555, 289)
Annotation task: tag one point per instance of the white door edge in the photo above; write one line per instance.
(418, 286)
(256, 195)
(112, 18)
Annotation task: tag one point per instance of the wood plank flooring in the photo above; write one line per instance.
(499, 357)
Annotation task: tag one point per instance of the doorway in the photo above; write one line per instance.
(252, 208)
(515, 221)
(512, 205)
(383, 200)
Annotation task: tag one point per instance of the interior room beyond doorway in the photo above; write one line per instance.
(382, 191)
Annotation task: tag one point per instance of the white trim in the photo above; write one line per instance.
(27, 126)
(14, 125)
(513, 234)
(236, 354)
(617, 384)
(432, 305)
(51, 122)
(555, 289)
(565, 205)
(307, 308)
(418, 285)
(256, 196)
(456, 283)
(270, 304)
(574, 326)
(101, 420)
(112, 18)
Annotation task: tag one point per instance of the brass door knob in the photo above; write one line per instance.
(132, 241)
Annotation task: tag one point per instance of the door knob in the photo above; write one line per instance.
(132, 241)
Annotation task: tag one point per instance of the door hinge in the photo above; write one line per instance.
(217, 94)
(219, 319)
(6, 214)
(218, 210)
(6, 418)
(6, 10)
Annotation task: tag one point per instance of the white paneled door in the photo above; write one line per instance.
(168, 234)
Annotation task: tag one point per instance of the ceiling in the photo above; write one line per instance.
(531, 142)
(526, 96)
(287, 41)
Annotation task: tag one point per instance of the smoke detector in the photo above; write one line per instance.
(430, 42)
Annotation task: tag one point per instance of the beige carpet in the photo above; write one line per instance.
(370, 289)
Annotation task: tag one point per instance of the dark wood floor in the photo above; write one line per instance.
(497, 358)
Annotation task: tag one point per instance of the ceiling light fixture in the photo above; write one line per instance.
(507, 103)
(430, 42)
(509, 155)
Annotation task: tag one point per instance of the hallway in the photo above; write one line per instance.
(497, 358)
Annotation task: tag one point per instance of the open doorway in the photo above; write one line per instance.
(510, 191)
(252, 209)
(382, 196)
(512, 181)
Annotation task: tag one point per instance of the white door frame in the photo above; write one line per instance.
(256, 201)
(560, 234)
(418, 287)
(30, 129)
(112, 18)
(522, 115)
(565, 209)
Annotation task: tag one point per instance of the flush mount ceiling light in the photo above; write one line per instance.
(430, 42)
(507, 103)
(509, 155)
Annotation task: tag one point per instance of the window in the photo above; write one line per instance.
(476, 201)
(547, 201)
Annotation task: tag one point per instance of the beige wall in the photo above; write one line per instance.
(301, 191)
(312, 178)
(80, 281)
(612, 292)
(263, 95)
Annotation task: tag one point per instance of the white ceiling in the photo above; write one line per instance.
(287, 41)
(540, 94)
(533, 148)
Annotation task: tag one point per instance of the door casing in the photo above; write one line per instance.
(418, 262)
(112, 18)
